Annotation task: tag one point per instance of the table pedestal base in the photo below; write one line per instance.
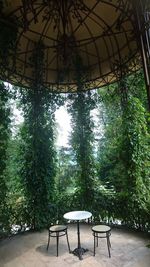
(79, 252)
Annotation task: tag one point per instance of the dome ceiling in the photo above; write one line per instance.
(99, 33)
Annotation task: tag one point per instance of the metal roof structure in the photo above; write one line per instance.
(103, 34)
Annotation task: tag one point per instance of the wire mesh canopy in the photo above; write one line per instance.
(96, 36)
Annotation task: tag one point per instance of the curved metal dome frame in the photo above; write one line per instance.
(104, 34)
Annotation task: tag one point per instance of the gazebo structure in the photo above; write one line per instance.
(106, 38)
(48, 47)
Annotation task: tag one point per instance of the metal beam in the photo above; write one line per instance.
(142, 19)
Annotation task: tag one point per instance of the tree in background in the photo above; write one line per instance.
(66, 171)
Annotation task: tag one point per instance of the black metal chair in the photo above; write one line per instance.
(102, 231)
(58, 231)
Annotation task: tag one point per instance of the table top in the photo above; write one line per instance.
(77, 215)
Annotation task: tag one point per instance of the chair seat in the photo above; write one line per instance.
(101, 228)
(57, 228)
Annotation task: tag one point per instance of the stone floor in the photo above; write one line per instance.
(29, 250)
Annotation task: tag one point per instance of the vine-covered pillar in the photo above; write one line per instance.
(8, 36)
(142, 21)
(134, 153)
(123, 92)
(82, 137)
(37, 151)
(4, 137)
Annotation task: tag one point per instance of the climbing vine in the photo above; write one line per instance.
(82, 138)
(123, 161)
(4, 138)
(37, 152)
(137, 158)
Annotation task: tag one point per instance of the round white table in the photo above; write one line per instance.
(78, 216)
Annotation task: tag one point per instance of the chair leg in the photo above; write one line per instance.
(57, 237)
(97, 239)
(94, 243)
(68, 241)
(109, 242)
(48, 240)
(108, 245)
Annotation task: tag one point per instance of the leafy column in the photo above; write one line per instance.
(4, 137)
(37, 150)
(136, 160)
(80, 107)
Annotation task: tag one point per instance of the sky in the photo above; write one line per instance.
(64, 127)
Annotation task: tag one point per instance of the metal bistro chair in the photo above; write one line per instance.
(58, 231)
(102, 231)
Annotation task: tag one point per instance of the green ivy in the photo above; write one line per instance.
(37, 150)
(82, 138)
(4, 138)
(124, 155)
(136, 149)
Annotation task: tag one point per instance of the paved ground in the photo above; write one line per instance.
(29, 250)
